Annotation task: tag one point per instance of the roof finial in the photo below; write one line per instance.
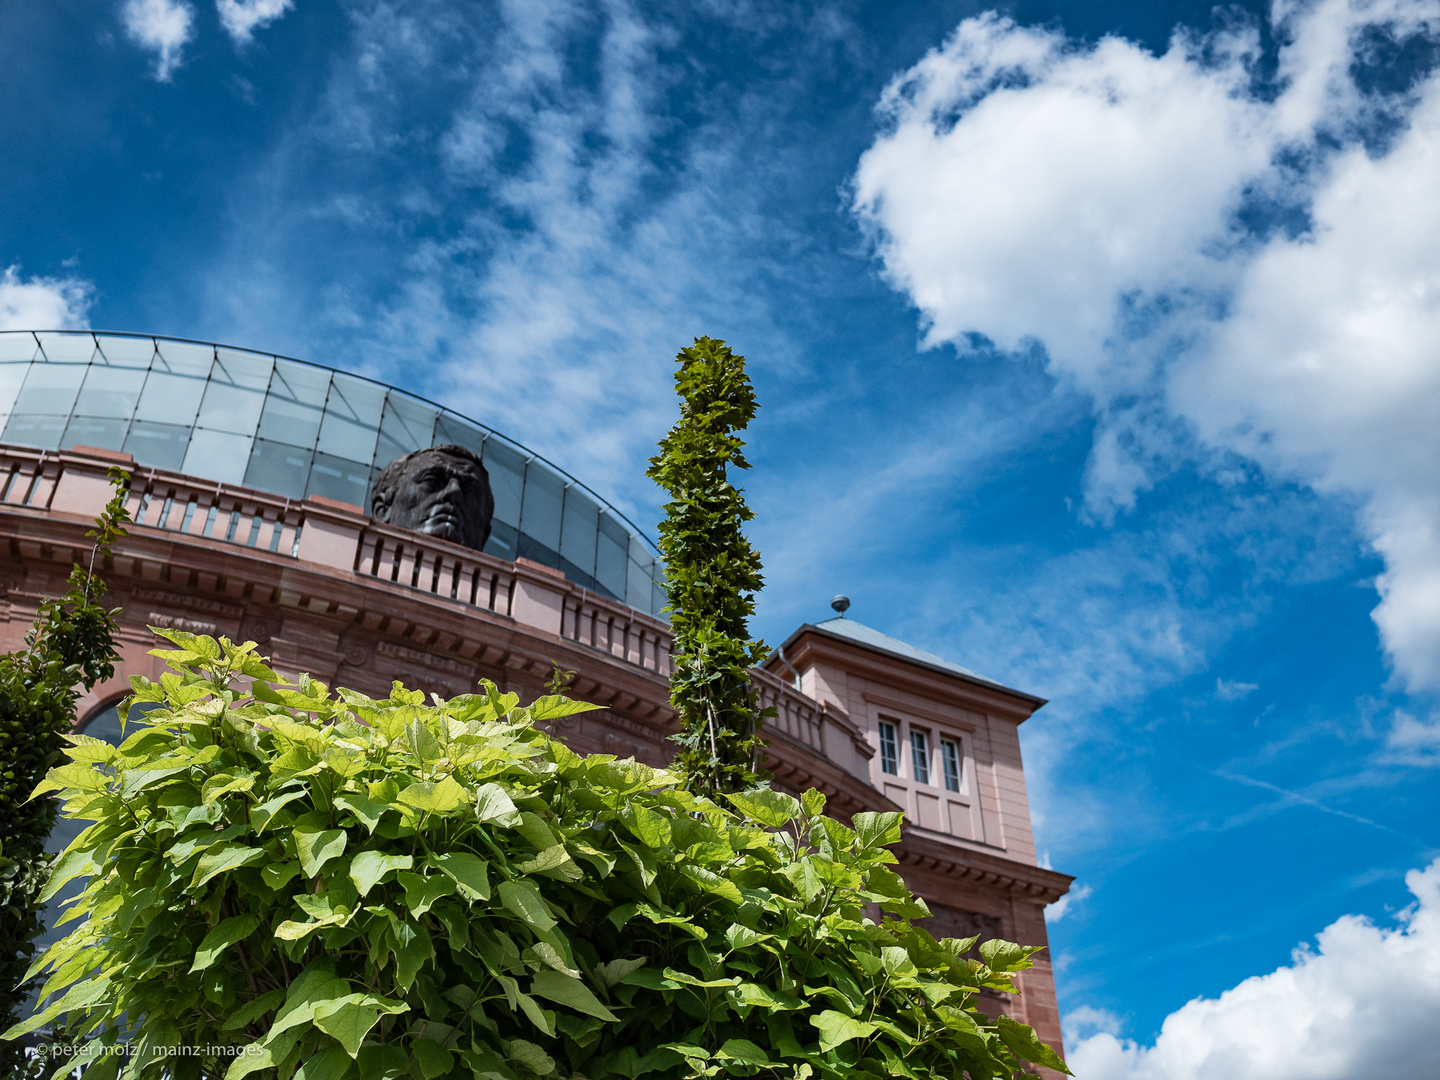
(841, 604)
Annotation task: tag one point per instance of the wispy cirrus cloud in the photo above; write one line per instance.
(538, 236)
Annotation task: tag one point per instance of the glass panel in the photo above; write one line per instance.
(336, 478)
(236, 393)
(278, 469)
(540, 509)
(95, 431)
(110, 391)
(159, 445)
(658, 597)
(920, 756)
(50, 388)
(247, 369)
(12, 377)
(452, 429)
(507, 472)
(504, 541)
(67, 348)
(217, 455)
(577, 538)
(889, 750)
(16, 345)
(611, 543)
(951, 756)
(40, 431)
(183, 358)
(580, 577)
(637, 587)
(170, 398)
(352, 418)
(131, 352)
(407, 425)
(295, 404)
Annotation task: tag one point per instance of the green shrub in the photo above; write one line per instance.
(71, 644)
(361, 888)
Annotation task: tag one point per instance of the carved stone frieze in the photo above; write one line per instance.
(184, 600)
(393, 651)
(177, 622)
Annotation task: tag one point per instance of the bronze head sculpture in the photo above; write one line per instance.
(442, 491)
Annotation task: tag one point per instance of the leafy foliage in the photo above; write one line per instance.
(390, 888)
(712, 571)
(71, 643)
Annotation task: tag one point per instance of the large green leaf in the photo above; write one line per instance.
(532, 1057)
(71, 865)
(222, 860)
(524, 900)
(316, 847)
(570, 992)
(367, 868)
(236, 928)
(365, 809)
(469, 871)
(349, 1019)
(774, 809)
(652, 828)
(554, 707)
(435, 797)
(837, 1028)
(493, 804)
(876, 829)
(1006, 955)
(413, 949)
(421, 891)
(423, 743)
(744, 1050)
(1025, 1043)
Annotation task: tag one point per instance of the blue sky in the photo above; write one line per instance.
(1098, 346)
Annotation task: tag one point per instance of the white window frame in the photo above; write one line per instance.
(936, 732)
(895, 756)
(921, 751)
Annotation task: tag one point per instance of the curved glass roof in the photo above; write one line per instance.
(293, 428)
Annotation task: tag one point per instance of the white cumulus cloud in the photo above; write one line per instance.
(1200, 256)
(1360, 1006)
(42, 303)
(163, 27)
(1057, 911)
(241, 18)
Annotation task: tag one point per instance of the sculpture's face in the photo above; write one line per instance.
(442, 495)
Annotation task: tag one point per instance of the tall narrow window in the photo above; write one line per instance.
(920, 756)
(889, 749)
(950, 755)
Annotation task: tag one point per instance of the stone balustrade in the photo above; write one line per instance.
(323, 533)
(438, 567)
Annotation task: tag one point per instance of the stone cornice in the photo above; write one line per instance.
(809, 646)
(1024, 881)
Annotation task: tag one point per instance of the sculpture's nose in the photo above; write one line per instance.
(452, 489)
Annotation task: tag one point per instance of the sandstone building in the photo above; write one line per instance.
(250, 473)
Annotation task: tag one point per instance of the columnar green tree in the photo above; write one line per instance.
(713, 573)
(72, 644)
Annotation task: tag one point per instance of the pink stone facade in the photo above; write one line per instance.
(325, 589)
